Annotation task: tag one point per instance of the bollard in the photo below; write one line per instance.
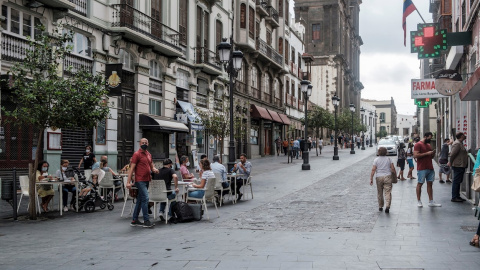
(14, 186)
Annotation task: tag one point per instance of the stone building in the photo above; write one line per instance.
(386, 115)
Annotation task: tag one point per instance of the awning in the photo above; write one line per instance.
(259, 112)
(275, 116)
(284, 118)
(194, 126)
(190, 111)
(147, 122)
(471, 90)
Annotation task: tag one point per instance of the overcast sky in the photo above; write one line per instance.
(386, 66)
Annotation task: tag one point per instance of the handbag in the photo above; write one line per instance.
(133, 192)
(476, 180)
(393, 176)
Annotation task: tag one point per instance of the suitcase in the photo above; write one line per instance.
(197, 211)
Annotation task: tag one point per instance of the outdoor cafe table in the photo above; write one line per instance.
(60, 190)
(233, 178)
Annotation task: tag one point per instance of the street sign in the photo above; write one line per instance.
(424, 88)
(448, 82)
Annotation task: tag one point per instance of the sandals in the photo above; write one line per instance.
(474, 241)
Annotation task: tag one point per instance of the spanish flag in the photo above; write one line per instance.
(408, 8)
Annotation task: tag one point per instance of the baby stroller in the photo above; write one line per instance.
(93, 199)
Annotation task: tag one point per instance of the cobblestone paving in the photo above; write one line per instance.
(339, 202)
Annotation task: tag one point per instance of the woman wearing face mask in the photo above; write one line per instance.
(67, 176)
(88, 160)
(46, 192)
(183, 168)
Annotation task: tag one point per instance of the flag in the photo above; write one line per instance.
(408, 8)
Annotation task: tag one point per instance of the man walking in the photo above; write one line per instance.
(424, 154)
(285, 146)
(142, 165)
(458, 161)
(296, 147)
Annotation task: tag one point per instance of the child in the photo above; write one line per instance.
(86, 190)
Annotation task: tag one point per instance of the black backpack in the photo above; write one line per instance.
(182, 212)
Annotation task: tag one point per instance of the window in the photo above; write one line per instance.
(126, 59)
(182, 79)
(287, 12)
(293, 88)
(293, 54)
(382, 128)
(382, 117)
(276, 88)
(18, 22)
(316, 31)
(464, 14)
(154, 69)
(254, 135)
(183, 20)
(251, 22)
(242, 72)
(219, 32)
(447, 7)
(243, 16)
(280, 46)
(267, 83)
(280, 8)
(269, 37)
(155, 107)
(287, 87)
(257, 29)
(218, 91)
(202, 87)
(254, 77)
(81, 45)
(287, 48)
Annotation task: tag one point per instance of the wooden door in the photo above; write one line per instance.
(156, 14)
(126, 120)
(268, 141)
(127, 12)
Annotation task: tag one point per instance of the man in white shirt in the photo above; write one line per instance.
(219, 168)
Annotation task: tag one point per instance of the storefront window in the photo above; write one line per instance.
(254, 136)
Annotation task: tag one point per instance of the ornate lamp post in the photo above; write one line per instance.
(376, 127)
(371, 128)
(232, 61)
(352, 109)
(335, 101)
(306, 88)
(388, 130)
(362, 110)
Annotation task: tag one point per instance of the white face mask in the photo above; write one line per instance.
(64, 168)
(87, 151)
(188, 164)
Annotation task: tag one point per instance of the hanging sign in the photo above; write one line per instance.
(424, 88)
(113, 73)
(448, 82)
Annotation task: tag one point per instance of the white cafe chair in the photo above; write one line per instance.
(248, 183)
(24, 185)
(107, 183)
(220, 188)
(127, 197)
(208, 196)
(157, 193)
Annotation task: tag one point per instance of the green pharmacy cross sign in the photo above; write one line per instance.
(423, 102)
(429, 40)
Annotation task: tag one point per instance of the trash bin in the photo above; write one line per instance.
(7, 189)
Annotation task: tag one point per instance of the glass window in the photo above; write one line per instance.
(5, 15)
(382, 117)
(243, 16)
(254, 135)
(267, 83)
(316, 31)
(155, 107)
(202, 87)
(154, 69)
(126, 59)
(27, 25)
(251, 22)
(182, 79)
(218, 91)
(241, 73)
(254, 77)
(14, 21)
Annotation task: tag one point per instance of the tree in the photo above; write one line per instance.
(45, 98)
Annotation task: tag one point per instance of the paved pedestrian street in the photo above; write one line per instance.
(325, 218)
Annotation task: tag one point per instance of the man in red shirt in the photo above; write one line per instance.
(142, 165)
(423, 152)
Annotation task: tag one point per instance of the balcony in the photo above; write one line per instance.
(291, 101)
(272, 17)
(145, 30)
(206, 60)
(14, 49)
(301, 105)
(268, 53)
(155, 87)
(202, 100)
(218, 104)
(182, 94)
(267, 97)
(261, 6)
(80, 6)
(278, 103)
(58, 3)
(255, 93)
(77, 63)
(294, 69)
(241, 87)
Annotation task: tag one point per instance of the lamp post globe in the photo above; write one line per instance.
(352, 144)
(362, 110)
(306, 88)
(335, 101)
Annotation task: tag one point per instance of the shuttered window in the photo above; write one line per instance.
(243, 16)
(316, 31)
(280, 8)
(182, 25)
(218, 33)
(251, 22)
(280, 46)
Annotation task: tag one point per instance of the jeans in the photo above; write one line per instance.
(296, 151)
(457, 181)
(196, 193)
(236, 185)
(65, 190)
(163, 205)
(285, 150)
(142, 200)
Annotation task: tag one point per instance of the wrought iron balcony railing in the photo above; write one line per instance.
(127, 16)
(255, 92)
(204, 56)
(202, 100)
(267, 97)
(268, 51)
(273, 13)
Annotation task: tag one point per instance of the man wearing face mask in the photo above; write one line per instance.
(458, 161)
(142, 166)
(183, 168)
(424, 154)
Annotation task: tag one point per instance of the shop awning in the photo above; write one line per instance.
(284, 118)
(259, 112)
(471, 90)
(147, 122)
(275, 116)
(190, 111)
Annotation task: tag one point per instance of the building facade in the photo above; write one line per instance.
(386, 115)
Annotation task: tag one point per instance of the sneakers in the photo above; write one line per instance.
(449, 181)
(442, 182)
(148, 224)
(419, 204)
(65, 209)
(457, 200)
(387, 210)
(432, 203)
(136, 223)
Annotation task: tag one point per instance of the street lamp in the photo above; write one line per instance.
(335, 101)
(376, 127)
(232, 61)
(306, 88)
(371, 128)
(388, 130)
(352, 109)
(362, 110)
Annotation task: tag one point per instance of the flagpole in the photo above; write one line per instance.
(418, 13)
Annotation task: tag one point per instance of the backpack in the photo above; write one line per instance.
(182, 212)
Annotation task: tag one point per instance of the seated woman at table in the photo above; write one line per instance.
(183, 168)
(67, 175)
(207, 174)
(105, 168)
(84, 192)
(44, 191)
(127, 167)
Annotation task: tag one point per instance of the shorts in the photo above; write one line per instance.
(428, 175)
(401, 164)
(445, 169)
(410, 163)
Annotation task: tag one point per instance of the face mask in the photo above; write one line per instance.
(428, 140)
(144, 146)
(64, 168)
(44, 169)
(188, 164)
(87, 151)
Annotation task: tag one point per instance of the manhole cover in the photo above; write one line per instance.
(469, 228)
